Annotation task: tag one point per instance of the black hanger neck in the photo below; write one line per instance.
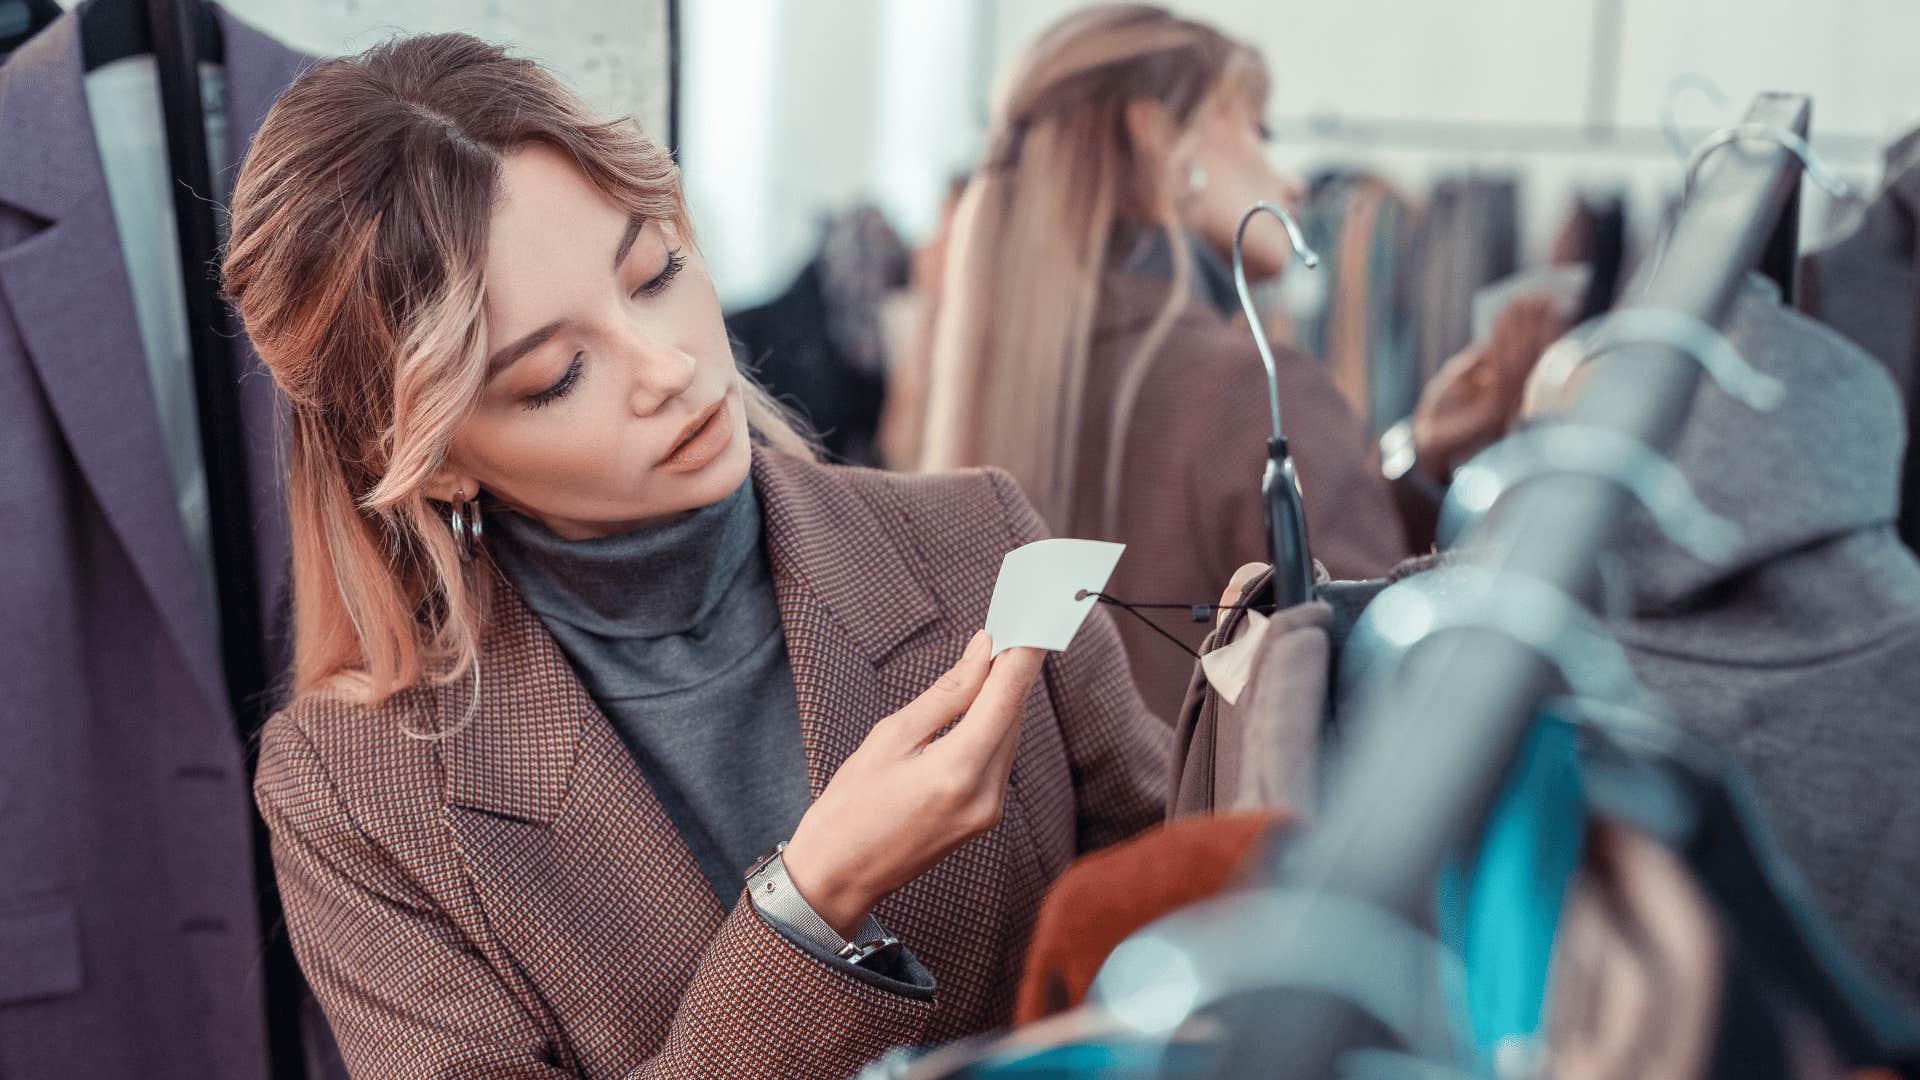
(113, 30)
(21, 19)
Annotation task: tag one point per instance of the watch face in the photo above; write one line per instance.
(868, 952)
(884, 952)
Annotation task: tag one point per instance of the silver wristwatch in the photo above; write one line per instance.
(775, 898)
(1400, 463)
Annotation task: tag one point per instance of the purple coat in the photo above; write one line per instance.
(129, 943)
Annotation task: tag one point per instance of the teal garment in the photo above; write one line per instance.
(1500, 907)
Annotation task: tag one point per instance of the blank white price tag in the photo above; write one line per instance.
(1045, 592)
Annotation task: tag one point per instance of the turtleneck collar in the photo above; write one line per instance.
(658, 581)
(1144, 250)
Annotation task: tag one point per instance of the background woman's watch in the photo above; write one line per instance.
(1400, 462)
(776, 899)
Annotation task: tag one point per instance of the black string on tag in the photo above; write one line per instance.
(1197, 612)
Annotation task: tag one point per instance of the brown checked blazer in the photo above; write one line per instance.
(512, 901)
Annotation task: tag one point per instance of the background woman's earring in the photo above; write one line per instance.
(1196, 179)
(463, 518)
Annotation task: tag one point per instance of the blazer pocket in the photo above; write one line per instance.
(41, 941)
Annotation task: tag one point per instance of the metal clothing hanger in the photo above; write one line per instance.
(1564, 448)
(1684, 333)
(1682, 84)
(1795, 144)
(1280, 484)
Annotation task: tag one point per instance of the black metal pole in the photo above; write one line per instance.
(223, 449)
(673, 78)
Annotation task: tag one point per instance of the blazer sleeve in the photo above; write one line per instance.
(1119, 751)
(409, 994)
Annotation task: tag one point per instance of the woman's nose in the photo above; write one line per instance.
(660, 371)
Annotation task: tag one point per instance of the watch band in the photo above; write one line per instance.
(775, 897)
(1400, 464)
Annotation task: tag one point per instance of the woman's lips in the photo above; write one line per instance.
(705, 438)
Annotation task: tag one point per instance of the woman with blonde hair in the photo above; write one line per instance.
(1088, 338)
(589, 648)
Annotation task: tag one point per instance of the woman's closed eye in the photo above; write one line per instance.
(659, 282)
(562, 386)
(653, 286)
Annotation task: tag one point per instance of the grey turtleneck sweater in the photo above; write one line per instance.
(674, 631)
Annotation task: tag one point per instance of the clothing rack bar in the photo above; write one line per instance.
(1467, 137)
(1422, 768)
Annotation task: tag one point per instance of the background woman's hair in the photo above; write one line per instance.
(1031, 236)
(359, 231)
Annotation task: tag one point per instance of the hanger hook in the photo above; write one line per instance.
(1567, 448)
(1465, 596)
(1307, 257)
(1700, 341)
(1670, 108)
(1773, 133)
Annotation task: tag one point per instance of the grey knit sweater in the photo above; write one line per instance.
(674, 631)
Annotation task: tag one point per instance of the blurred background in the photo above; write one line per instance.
(795, 109)
(1454, 144)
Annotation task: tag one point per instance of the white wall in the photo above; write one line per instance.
(613, 52)
(1417, 89)
(794, 108)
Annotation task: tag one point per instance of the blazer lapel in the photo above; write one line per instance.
(849, 601)
(66, 287)
(555, 819)
(68, 292)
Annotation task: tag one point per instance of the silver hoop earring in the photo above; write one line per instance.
(463, 518)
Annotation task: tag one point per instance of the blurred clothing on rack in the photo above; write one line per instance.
(823, 346)
(1358, 314)
(1797, 654)
(1247, 736)
(1189, 505)
(1468, 236)
(130, 943)
(1105, 897)
(1867, 286)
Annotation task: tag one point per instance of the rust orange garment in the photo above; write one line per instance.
(1103, 898)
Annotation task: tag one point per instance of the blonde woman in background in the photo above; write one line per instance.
(1088, 340)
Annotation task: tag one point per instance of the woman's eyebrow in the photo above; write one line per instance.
(634, 225)
(505, 357)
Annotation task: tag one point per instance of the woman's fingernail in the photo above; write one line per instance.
(977, 642)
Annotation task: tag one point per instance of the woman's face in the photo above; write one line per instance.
(611, 400)
(1227, 142)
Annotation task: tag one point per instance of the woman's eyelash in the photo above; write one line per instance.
(675, 263)
(559, 389)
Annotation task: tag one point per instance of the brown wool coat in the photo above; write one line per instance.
(1191, 462)
(514, 902)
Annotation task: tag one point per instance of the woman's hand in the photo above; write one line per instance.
(904, 800)
(1475, 396)
(1235, 586)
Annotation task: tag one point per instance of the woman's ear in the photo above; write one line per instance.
(451, 482)
(1149, 127)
